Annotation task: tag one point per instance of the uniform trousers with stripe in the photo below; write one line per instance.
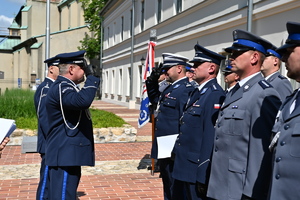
(63, 182)
(42, 190)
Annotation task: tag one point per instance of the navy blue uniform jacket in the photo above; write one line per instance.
(67, 145)
(40, 107)
(171, 103)
(194, 145)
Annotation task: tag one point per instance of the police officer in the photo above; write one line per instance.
(286, 171)
(169, 109)
(193, 147)
(241, 161)
(40, 106)
(69, 142)
(270, 70)
(190, 74)
(230, 78)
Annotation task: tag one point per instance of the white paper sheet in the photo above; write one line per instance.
(7, 126)
(165, 145)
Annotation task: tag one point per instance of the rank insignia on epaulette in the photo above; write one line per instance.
(281, 77)
(235, 107)
(204, 90)
(264, 84)
(215, 88)
(246, 87)
(176, 86)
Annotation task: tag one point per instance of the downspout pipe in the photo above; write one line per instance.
(47, 48)
(250, 13)
(132, 50)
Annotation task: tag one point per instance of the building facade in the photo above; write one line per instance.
(23, 51)
(179, 24)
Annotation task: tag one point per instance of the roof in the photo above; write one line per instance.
(9, 43)
(14, 25)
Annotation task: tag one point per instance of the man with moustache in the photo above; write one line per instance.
(285, 145)
(241, 161)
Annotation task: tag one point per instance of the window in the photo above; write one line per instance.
(131, 25)
(178, 6)
(120, 82)
(158, 17)
(122, 28)
(107, 36)
(142, 15)
(114, 34)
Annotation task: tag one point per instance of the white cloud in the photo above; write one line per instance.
(4, 23)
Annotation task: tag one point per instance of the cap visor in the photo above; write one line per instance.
(284, 47)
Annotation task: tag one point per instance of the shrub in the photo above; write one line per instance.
(18, 104)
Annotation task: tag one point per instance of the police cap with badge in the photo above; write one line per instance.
(72, 58)
(205, 55)
(272, 52)
(245, 41)
(170, 60)
(293, 39)
(52, 61)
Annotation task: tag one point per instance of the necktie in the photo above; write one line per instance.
(235, 88)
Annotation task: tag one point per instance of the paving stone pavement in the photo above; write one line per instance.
(120, 172)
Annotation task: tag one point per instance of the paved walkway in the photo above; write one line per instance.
(120, 172)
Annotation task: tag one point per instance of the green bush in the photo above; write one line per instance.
(18, 104)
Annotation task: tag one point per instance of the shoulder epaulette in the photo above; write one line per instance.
(281, 77)
(264, 84)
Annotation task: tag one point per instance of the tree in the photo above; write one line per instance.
(92, 44)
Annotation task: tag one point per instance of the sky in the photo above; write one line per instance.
(8, 10)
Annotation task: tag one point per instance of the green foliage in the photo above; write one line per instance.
(18, 104)
(91, 15)
(104, 119)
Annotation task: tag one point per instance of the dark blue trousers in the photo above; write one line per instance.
(42, 190)
(196, 191)
(173, 189)
(64, 182)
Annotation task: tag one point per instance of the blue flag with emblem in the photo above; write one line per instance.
(149, 64)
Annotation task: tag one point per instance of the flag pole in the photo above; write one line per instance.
(152, 159)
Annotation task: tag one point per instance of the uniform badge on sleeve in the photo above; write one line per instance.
(217, 106)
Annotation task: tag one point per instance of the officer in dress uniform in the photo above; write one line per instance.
(40, 106)
(285, 145)
(69, 142)
(169, 109)
(270, 70)
(193, 147)
(241, 162)
(230, 78)
(190, 74)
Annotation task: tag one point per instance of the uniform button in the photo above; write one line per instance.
(219, 125)
(182, 123)
(217, 137)
(278, 159)
(216, 149)
(180, 133)
(179, 144)
(286, 127)
(277, 176)
(80, 144)
(282, 143)
(222, 113)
